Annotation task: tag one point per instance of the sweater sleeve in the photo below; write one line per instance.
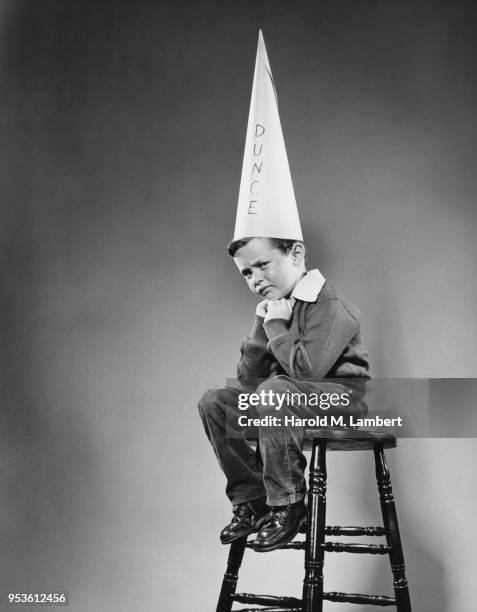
(310, 353)
(255, 361)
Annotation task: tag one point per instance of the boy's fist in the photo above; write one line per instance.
(261, 309)
(280, 309)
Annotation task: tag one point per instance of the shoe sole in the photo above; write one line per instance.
(236, 538)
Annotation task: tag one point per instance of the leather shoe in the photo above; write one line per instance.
(244, 521)
(279, 527)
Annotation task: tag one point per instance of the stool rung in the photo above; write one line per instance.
(371, 549)
(357, 598)
(354, 531)
(362, 549)
(300, 609)
(267, 600)
(295, 545)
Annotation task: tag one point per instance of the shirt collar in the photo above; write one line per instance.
(309, 286)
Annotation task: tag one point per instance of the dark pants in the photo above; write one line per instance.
(277, 471)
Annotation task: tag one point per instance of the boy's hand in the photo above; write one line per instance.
(261, 310)
(280, 309)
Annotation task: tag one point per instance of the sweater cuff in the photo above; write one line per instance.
(258, 334)
(275, 327)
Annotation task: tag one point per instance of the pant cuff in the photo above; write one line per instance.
(250, 497)
(286, 500)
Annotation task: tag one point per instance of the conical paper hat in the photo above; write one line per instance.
(266, 204)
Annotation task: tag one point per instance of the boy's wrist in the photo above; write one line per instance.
(275, 327)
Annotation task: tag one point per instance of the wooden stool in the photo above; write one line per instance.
(316, 530)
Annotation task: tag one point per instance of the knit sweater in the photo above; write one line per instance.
(322, 340)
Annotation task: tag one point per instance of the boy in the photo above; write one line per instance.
(304, 332)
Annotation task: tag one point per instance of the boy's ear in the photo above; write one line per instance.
(298, 252)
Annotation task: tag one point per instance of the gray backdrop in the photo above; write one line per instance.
(122, 131)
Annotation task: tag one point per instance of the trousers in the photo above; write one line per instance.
(276, 469)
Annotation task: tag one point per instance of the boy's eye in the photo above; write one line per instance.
(263, 265)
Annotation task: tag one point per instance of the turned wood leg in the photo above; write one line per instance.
(315, 533)
(229, 583)
(388, 509)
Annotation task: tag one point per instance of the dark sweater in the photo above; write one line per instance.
(322, 340)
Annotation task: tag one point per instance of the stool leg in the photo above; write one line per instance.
(315, 532)
(388, 509)
(229, 583)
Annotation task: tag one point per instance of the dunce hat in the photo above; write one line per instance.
(266, 204)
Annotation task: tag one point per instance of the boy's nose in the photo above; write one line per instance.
(257, 279)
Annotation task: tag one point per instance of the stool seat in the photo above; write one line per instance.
(343, 439)
(348, 439)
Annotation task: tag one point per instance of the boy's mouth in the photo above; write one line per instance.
(264, 290)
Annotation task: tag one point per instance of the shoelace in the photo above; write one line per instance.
(281, 516)
(278, 514)
(240, 512)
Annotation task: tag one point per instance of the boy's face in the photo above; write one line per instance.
(269, 272)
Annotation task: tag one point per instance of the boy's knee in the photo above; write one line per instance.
(207, 401)
(212, 401)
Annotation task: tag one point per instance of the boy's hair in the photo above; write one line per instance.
(284, 244)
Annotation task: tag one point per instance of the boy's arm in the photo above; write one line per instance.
(255, 360)
(310, 354)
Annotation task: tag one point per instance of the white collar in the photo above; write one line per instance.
(309, 286)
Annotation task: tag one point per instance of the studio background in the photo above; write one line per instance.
(122, 130)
